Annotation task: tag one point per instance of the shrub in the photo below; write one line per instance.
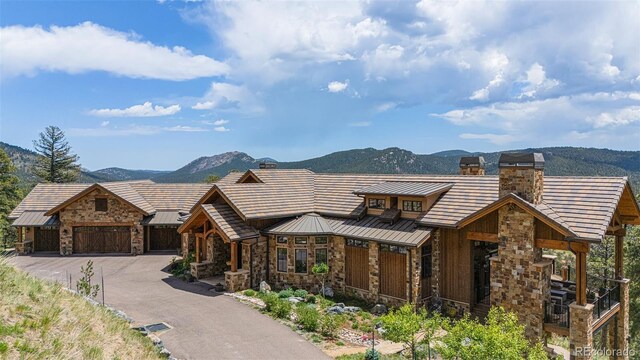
(330, 324)
(284, 294)
(311, 299)
(308, 317)
(372, 354)
(271, 301)
(178, 267)
(282, 309)
(250, 293)
(300, 293)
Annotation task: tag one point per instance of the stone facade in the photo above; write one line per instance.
(520, 277)
(290, 278)
(83, 212)
(336, 263)
(374, 272)
(254, 258)
(580, 331)
(455, 309)
(188, 243)
(236, 281)
(471, 170)
(528, 183)
(619, 330)
(219, 256)
(415, 269)
(435, 264)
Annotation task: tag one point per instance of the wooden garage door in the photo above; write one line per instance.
(357, 264)
(101, 239)
(45, 239)
(164, 238)
(393, 274)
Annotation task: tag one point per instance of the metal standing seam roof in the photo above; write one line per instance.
(404, 188)
(403, 232)
(163, 217)
(229, 222)
(36, 218)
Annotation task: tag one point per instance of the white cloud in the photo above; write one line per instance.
(228, 96)
(497, 139)
(386, 106)
(183, 128)
(220, 122)
(104, 123)
(483, 94)
(621, 117)
(360, 124)
(145, 110)
(536, 81)
(220, 129)
(91, 47)
(337, 86)
(130, 130)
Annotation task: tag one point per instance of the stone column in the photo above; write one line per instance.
(619, 329)
(336, 266)
(66, 240)
(435, 264)
(580, 331)
(414, 275)
(137, 239)
(374, 270)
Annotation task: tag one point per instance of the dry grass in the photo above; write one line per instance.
(41, 320)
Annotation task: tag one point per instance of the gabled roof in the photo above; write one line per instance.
(36, 218)
(121, 190)
(43, 197)
(308, 224)
(171, 196)
(404, 188)
(233, 227)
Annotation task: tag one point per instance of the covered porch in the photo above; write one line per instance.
(214, 235)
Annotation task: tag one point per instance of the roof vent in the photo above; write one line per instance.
(521, 160)
(268, 165)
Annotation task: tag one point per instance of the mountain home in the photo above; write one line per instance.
(463, 243)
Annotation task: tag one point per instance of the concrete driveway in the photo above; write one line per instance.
(205, 325)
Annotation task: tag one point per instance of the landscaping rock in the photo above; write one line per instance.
(264, 287)
(335, 310)
(295, 299)
(339, 305)
(328, 291)
(379, 309)
(352, 309)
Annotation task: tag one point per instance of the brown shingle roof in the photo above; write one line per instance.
(44, 197)
(171, 196)
(229, 222)
(404, 188)
(126, 192)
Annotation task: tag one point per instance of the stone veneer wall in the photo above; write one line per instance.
(520, 278)
(188, 243)
(415, 269)
(475, 170)
(220, 254)
(307, 280)
(580, 331)
(619, 330)
(83, 211)
(254, 259)
(528, 183)
(435, 264)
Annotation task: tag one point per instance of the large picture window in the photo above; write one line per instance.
(301, 261)
(321, 256)
(377, 203)
(282, 260)
(408, 205)
(426, 262)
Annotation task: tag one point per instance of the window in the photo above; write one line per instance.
(101, 204)
(282, 259)
(322, 240)
(357, 243)
(301, 261)
(412, 205)
(376, 203)
(282, 239)
(300, 240)
(393, 248)
(321, 256)
(426, 262)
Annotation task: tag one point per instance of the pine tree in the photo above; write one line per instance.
(10, 194)
(57, 164)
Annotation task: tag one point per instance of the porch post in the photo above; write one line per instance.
(197, 248)
(619, 255)
(581, 278)
(234, 256)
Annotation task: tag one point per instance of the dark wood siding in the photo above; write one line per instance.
(101, 239)
(164, 238)
(393, 274)
(456, 278)
(46, 239)
(486, 224)
(544, 231)
(357, 267)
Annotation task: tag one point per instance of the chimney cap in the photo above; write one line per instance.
(472, 161)
(522, 160)
(268, 165)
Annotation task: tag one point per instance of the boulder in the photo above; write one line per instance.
(328, 291)
(335, 310)
(264, 287)
(351, 309)
(379, 309)
(340, 305)
(295, 299)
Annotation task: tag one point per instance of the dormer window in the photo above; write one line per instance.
(101, 204)
(377, 203)
(408, 205)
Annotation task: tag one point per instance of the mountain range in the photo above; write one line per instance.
(558, 161)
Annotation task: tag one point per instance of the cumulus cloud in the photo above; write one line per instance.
(220, 129)
(91, 47)
(337, 86)
(536, 81)
(228, 96)
(145, 110)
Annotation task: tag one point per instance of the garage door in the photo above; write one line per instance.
(164, 238)
(101, 239)
(46, 239)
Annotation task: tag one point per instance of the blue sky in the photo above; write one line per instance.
(156, 84)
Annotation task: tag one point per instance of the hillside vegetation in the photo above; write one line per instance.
(40, 320)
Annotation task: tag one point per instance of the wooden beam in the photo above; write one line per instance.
(198, 247)
(619, 257)
(555, 329)
(562, 245)
(629, 219)
(581, 278)
(234, 256)
(482, 236)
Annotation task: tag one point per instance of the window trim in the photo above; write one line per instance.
(377, 202)
(306, 261)
(282, 240)
(393, 248)
(286, 258)
(357, 243)
(304, 240)
(412, 207)
(326, 251)
(426, 272)
(106, 204)
(325, 243)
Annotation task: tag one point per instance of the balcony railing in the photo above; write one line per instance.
(556, 314)
(605, 302)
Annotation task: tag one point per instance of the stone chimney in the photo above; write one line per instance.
(472, 165)
(523, 175)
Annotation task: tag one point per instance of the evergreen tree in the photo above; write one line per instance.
(10, 194)
(57, 164)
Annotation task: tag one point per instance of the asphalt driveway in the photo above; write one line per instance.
(205, 325)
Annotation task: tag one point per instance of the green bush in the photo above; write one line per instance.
(372, 354)
(331, 324)
(301, 293)
(284, 294)
(308, 317)
(282, 309)
(250, 293)
(271, 301)
(311, 299)
(178, 267)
